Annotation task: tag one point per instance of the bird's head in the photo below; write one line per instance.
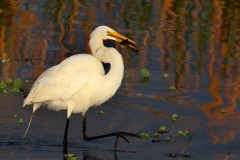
(105, 33)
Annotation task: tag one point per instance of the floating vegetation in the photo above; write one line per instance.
(174, 117)
(20, 121)
(183, 153)
(145, 73)
(172, 88)
(162, 129)
(165, 76)
(17, 83)
(223, 111)
(4, 91)
(15, 86)
(16, 60)
(101, 112)
(72, 156)
(2, 85)
(145, 135)
(5, 60)
(180, 132)
(9, 81)
(156, 134)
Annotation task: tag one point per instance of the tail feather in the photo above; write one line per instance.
(35, 107)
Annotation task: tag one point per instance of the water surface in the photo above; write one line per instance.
(195, 42)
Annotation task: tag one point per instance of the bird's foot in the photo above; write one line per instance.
(116, 134)
(122, 135)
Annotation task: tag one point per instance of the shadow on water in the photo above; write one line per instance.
(190, 48)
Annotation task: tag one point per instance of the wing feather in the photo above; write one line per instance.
(63, 80)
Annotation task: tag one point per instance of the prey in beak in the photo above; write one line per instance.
(128, 44)
(124, 41)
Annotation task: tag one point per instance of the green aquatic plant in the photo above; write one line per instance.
(184, 133)
(3, 88)
(101, 112)
(72, 156)
(145, 73)
(162, 129)
(159, 135)
(223, 111)
(156, 134)
(9, 81)
(172, 88)
(6, 60)
(165, 75)
(4, 91)
(17, 83)
(16, 90)
(180, 133)
(20, 121)
(16, 86)
(2, 85)
(174, 117)
(145, 135)
(187, 132)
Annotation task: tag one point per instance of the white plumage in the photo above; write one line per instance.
(79, 82)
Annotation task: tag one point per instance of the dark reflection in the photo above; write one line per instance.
(115, 153)
(90, 156)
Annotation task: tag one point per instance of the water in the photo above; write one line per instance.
(195, 42)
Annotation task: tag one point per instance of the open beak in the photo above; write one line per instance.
(124, 41)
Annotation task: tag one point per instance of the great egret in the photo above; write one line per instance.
(79, 82)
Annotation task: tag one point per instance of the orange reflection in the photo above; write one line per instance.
(223, 82)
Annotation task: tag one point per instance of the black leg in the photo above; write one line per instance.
(65, 141)
(116, 134)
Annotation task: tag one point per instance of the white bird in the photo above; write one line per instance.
(79, 82)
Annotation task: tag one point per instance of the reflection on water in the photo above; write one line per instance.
(195, 42)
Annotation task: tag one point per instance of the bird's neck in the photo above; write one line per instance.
(112, 80)
(107, 55)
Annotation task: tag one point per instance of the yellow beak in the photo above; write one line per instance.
(123, 40)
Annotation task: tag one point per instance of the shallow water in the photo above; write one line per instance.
(195, 42)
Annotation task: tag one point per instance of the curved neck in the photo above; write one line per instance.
(106, 54)
(112, 80)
